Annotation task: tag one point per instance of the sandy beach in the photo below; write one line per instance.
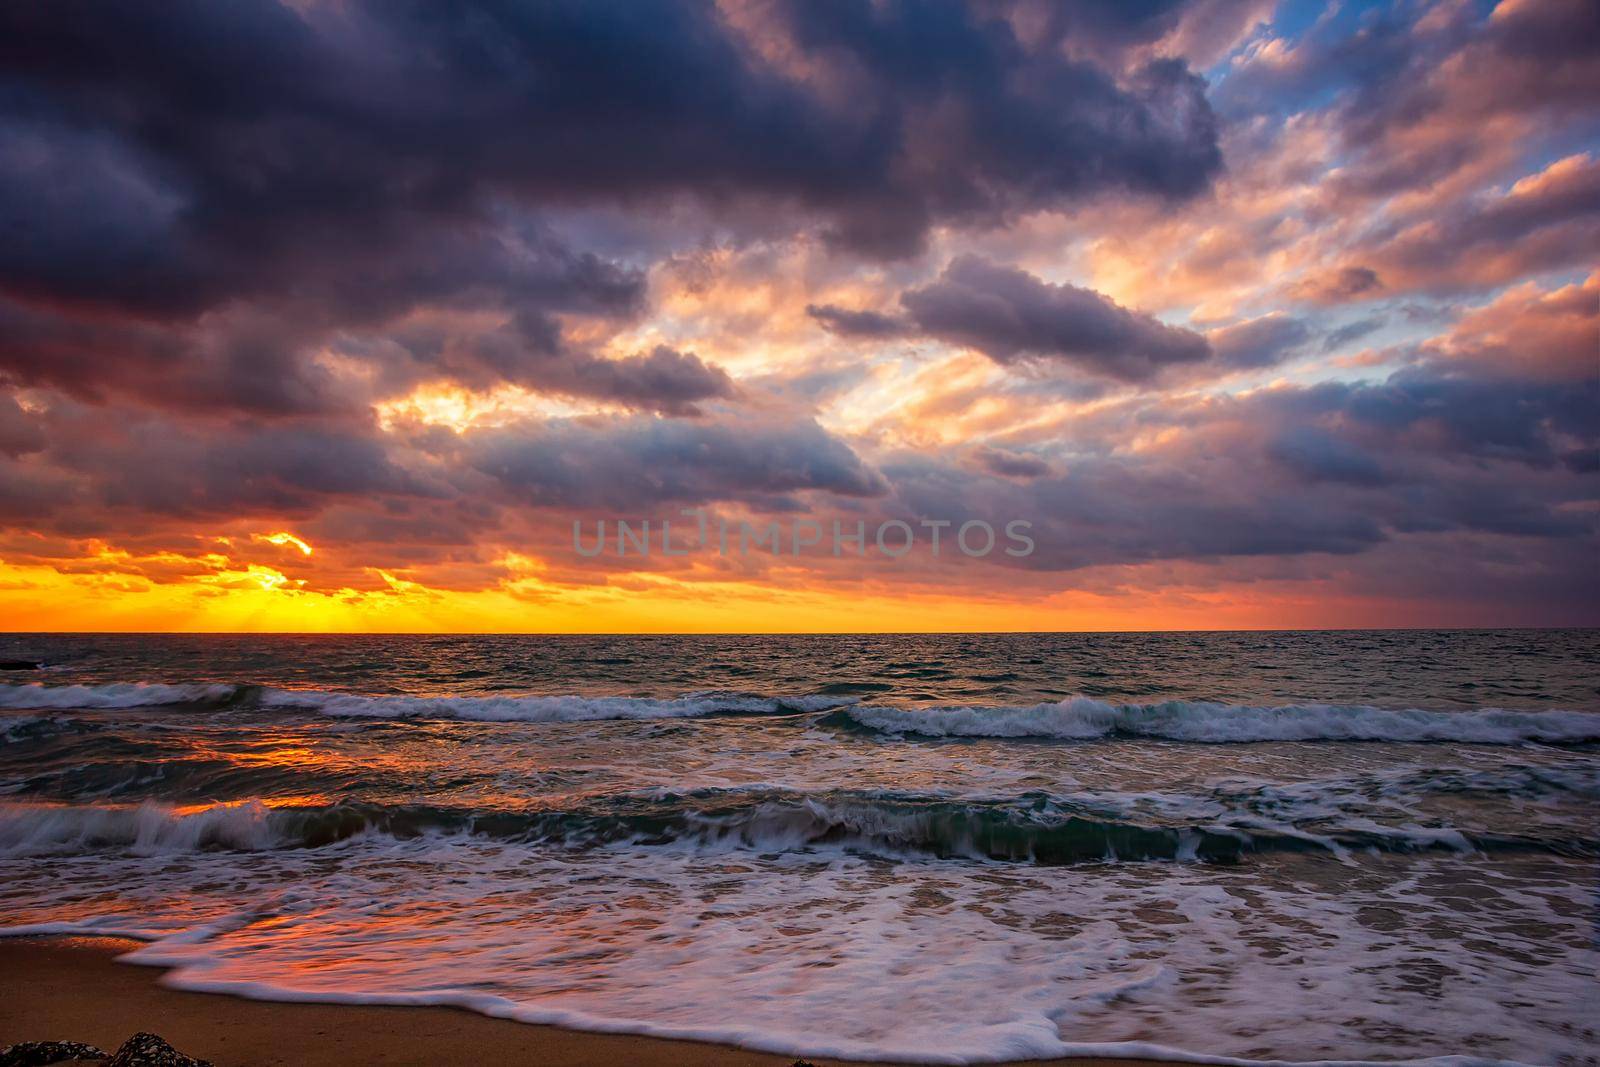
(74, 989)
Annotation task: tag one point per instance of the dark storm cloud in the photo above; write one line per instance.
(278, 469)
(982, 125)
(107, 220)
(526, 353)
(1427, 414)
(95, 476)
(178, 154)
(262, 357)
(240, 360)
(81, 211)
(176, 174)
(1318, 456)
(665, 378)
(848, 322)
(629, 464)
(1431, 448)
(19, 431)
(1477, 418)
(1010, 315)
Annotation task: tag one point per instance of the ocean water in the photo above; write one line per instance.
(942, 849)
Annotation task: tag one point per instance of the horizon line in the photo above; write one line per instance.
(780, 633)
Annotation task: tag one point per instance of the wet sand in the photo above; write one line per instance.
(72, 989)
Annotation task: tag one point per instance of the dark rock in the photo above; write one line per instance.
(38, 1053)
(802, 1063)
(22, 665)
(148, 1050)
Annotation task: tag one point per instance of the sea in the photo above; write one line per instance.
(1220, 847)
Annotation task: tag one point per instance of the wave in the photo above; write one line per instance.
(544, 708)
(17, 728)
(39, 829)
(1082, 719)
(114, 695)
(561, 708)
(1075, 718)
(1034, 828)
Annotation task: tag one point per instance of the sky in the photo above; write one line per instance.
(343, 314)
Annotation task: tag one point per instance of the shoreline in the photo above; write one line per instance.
(72, 988)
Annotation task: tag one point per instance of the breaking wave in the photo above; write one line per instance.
(1081, 718)
(564, 708)
(544, 708)
(114, 695)
(1033, 828)
(1076, 718)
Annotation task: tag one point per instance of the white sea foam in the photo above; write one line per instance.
(1081, 718)
(790, 885)
(144, 829)
(511, 708)
(933, 962)
(114, 695)
(541, 708)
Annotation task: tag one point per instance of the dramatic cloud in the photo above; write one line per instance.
(848, 322)
(636, 463)
(1529, 334)
(155, 466)
(1010, 315)
(1233, 301)
(663, 378)
(1259, 342)
(1334, 468)
(1010, 464)
(19, 433)
(227, 193)
(1336, 286)
(1545, 221)
(236, 144)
